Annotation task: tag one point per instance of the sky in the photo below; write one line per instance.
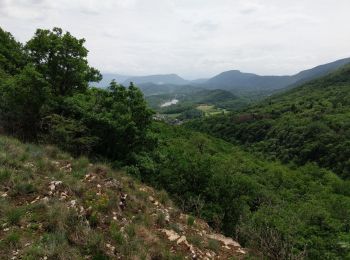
(193, 38)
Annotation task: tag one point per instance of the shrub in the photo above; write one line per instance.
(161, 219)
(116, 234)
(196, 240)
(14, 215)
(190, 221)
(12, 239)
(23, 188)
(213, 245)
(5, 175)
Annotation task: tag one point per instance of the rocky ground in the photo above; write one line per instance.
(55, 207)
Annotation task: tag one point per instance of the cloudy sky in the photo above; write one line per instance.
(193, 38)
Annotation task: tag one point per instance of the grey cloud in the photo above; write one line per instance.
(195, 38)
(248, 10)
(206, 25)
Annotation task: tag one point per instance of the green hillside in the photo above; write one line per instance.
(281, 212)
(310, 123)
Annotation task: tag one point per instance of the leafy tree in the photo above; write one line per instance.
(70, 134)
(12, 56)
(61, 58)
(22, 100)
(111, 123)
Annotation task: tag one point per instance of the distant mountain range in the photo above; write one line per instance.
(108, 77)
(157, 79)
(233, 80)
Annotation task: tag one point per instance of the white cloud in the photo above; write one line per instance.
(194, 38)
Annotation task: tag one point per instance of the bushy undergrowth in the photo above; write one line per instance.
(284, 212)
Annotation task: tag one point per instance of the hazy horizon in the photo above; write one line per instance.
(193, 38)
(210, 76)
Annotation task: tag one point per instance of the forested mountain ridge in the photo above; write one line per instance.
(319, 71)
(307, 123)
(237, 81)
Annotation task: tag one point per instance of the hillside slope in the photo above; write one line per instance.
(55, 207)
(235, 80)
(308, 123)
(282, 212)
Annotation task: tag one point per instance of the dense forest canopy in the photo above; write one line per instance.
(279, 211)
(310, 123)
(284, 213)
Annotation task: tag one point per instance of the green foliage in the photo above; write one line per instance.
(161, 220)
(116, 234)
(213, 245)
(282, 212)
(4, 175)
(23, 188)
(62, 59)
(190, 221)
(71, 135)
(14, 215)
(47, 99)
(112, 123)
(195, 240)
(307, 124)
(12, 239)
(12, 56)
(22, 100)
(191, 114)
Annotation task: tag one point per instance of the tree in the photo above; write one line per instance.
(139, 110)
(22, 99)
(12, 56)
(62, 59)
(115, 123)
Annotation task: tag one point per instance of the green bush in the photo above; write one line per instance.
(14, 215)
(116, 234)
(190, 221)
(12, 239)
(214, 245)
